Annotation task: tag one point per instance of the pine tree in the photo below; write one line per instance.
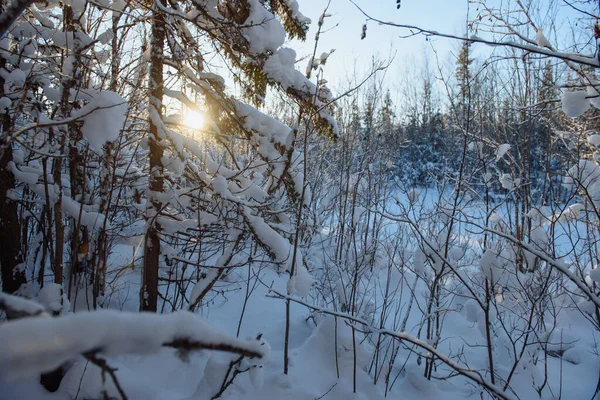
(463, 79)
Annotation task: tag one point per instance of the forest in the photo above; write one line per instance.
(190, 211)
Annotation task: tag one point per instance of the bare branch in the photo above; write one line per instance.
(576, 58)
(471, 374)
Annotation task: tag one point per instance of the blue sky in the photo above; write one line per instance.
(353, 54)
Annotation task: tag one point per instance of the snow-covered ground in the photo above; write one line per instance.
(567, 367)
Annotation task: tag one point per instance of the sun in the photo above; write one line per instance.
(194, 120)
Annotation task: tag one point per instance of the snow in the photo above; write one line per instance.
(118, 6)
(574, 210)
(419, 262)
(78, 7)
(594, 140)
(42, 19)
(21, 306)
(541, 39)
(413, 195)
(67, 69)
(489, 266)
(585, 174)
(295, 12)
(68, 39)
(592, 92)
(14, 79)
(215, 372)
(303, 281)
(203, 283)
(103, 118)
(265, 125)
(263, 30)
(362, 302)
(5, 102)
(472, 311)
(502, 150)
(269, 131)
(280, 67)
(105, 37)
(575, 103)
(595, 274)
(82, 381)
(257, 376)
(29, 175)
(87, 215)
(312, 357)
(51, 296)
(34, 345)
(219, 185)
(279, 246)
(507, 181)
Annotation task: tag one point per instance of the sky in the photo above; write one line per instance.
(354, 56)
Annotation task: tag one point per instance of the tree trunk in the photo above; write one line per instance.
(149, 288)
(10, 256)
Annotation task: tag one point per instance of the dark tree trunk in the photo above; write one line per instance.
(149, 289)
(10, 256)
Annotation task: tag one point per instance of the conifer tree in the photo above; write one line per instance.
(463, 79)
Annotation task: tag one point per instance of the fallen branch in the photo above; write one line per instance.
(32, 346)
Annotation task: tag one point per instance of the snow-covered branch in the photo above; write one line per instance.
(94, 112)
(35, 345)
(558, 265)
(19, 307)
(14, 10)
